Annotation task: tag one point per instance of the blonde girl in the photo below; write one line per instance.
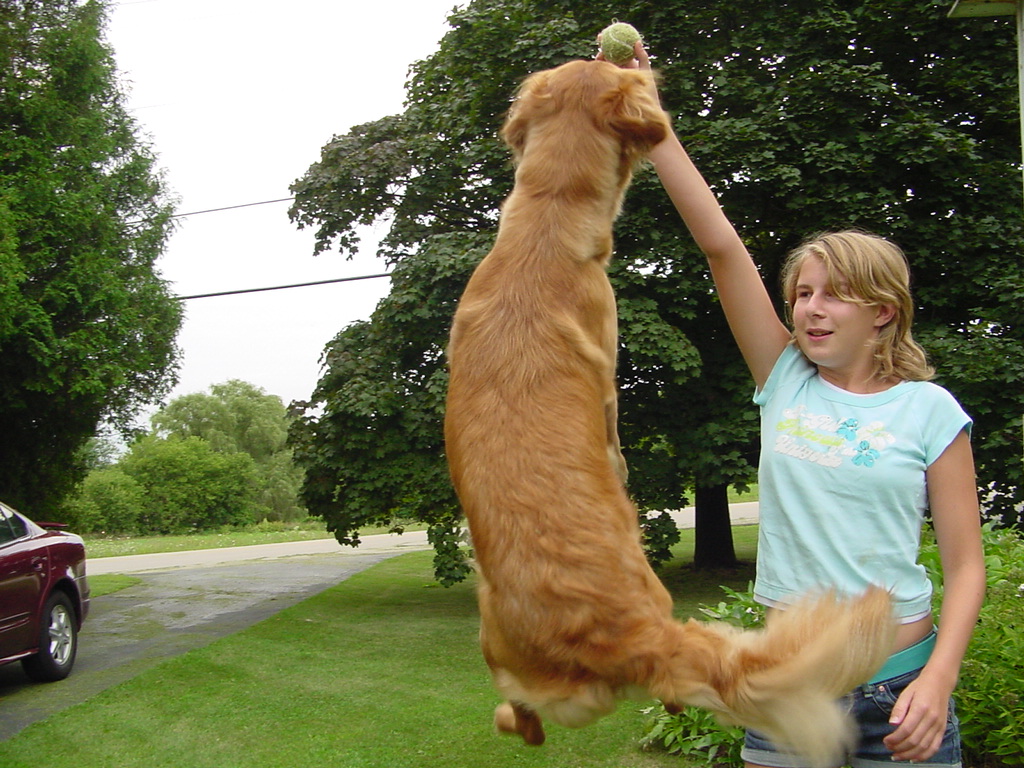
(857, 446)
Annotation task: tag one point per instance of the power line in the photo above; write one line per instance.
(269, 288)
(281, 287)
(217, 210)
(232, 207)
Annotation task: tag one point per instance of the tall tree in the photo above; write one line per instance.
(87, 326)
(804, 115)
(239, 417)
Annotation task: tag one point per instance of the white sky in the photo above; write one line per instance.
(237, 97)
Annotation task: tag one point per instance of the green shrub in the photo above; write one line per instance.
(741, 609)
(108, 501)
(695, 733)
(990, 696)
(191, 487)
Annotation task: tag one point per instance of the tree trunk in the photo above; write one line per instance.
(713, 547)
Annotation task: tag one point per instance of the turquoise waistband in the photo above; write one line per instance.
(910, 658)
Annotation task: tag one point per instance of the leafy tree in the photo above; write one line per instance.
(233, 416)
(893, 118)
(239, 417)
(87, 326)
(212, 459)
(189, 486)
(374, 456)
(100, 451)
(804, 116)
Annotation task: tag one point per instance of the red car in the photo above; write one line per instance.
(44, 595)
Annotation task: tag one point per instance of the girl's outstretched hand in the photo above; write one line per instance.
(640, 58)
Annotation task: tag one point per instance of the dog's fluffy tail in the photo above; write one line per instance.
(786, 679)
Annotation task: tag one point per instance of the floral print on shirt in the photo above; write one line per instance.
(829, 442)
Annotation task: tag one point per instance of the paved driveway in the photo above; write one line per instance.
(185, 601)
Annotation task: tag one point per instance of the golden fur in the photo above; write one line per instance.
(572, 616)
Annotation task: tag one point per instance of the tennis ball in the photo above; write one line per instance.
(617, 41)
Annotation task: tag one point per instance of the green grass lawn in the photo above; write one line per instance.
(106, 583)
(381, 670)
(117, 546)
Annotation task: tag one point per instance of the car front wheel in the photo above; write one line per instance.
(58, 641)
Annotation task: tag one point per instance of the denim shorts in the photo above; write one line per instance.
(871, 705)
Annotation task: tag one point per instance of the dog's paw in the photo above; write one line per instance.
(671, 707)
(517, 719)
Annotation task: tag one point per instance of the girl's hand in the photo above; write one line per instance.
(920, 716)
(640, 58)
(639, 61)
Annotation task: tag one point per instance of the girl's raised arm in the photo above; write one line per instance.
(760, 334)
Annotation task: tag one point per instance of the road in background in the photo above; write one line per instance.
(741, 514)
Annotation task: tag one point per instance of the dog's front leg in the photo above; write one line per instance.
(610, 344)
(597, 343)
(611, 416)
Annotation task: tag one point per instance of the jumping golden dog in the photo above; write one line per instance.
(572, 616)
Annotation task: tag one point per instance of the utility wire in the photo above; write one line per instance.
(269, 288)
(216, 210)
(232, 207)
(281, 287)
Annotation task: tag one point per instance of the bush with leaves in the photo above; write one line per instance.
(990, 695)
(235, 425)
(189, 486)
(108, 501)
(238, 417)
(695, 733)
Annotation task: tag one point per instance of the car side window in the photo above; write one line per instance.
(18, 526)
(7, 533)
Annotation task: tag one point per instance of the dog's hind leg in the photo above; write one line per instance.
(512, 717)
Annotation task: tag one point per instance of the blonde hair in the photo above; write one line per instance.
(871, 271)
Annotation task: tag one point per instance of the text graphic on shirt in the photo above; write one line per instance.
(828, 441)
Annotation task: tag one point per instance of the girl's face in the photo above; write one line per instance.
(835, 335)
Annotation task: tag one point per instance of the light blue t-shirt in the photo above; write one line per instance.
(842, 484)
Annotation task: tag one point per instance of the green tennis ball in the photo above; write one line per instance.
(617, 41)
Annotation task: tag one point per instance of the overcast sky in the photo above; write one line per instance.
(237, 97)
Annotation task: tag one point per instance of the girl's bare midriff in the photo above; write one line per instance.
(908, 634)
